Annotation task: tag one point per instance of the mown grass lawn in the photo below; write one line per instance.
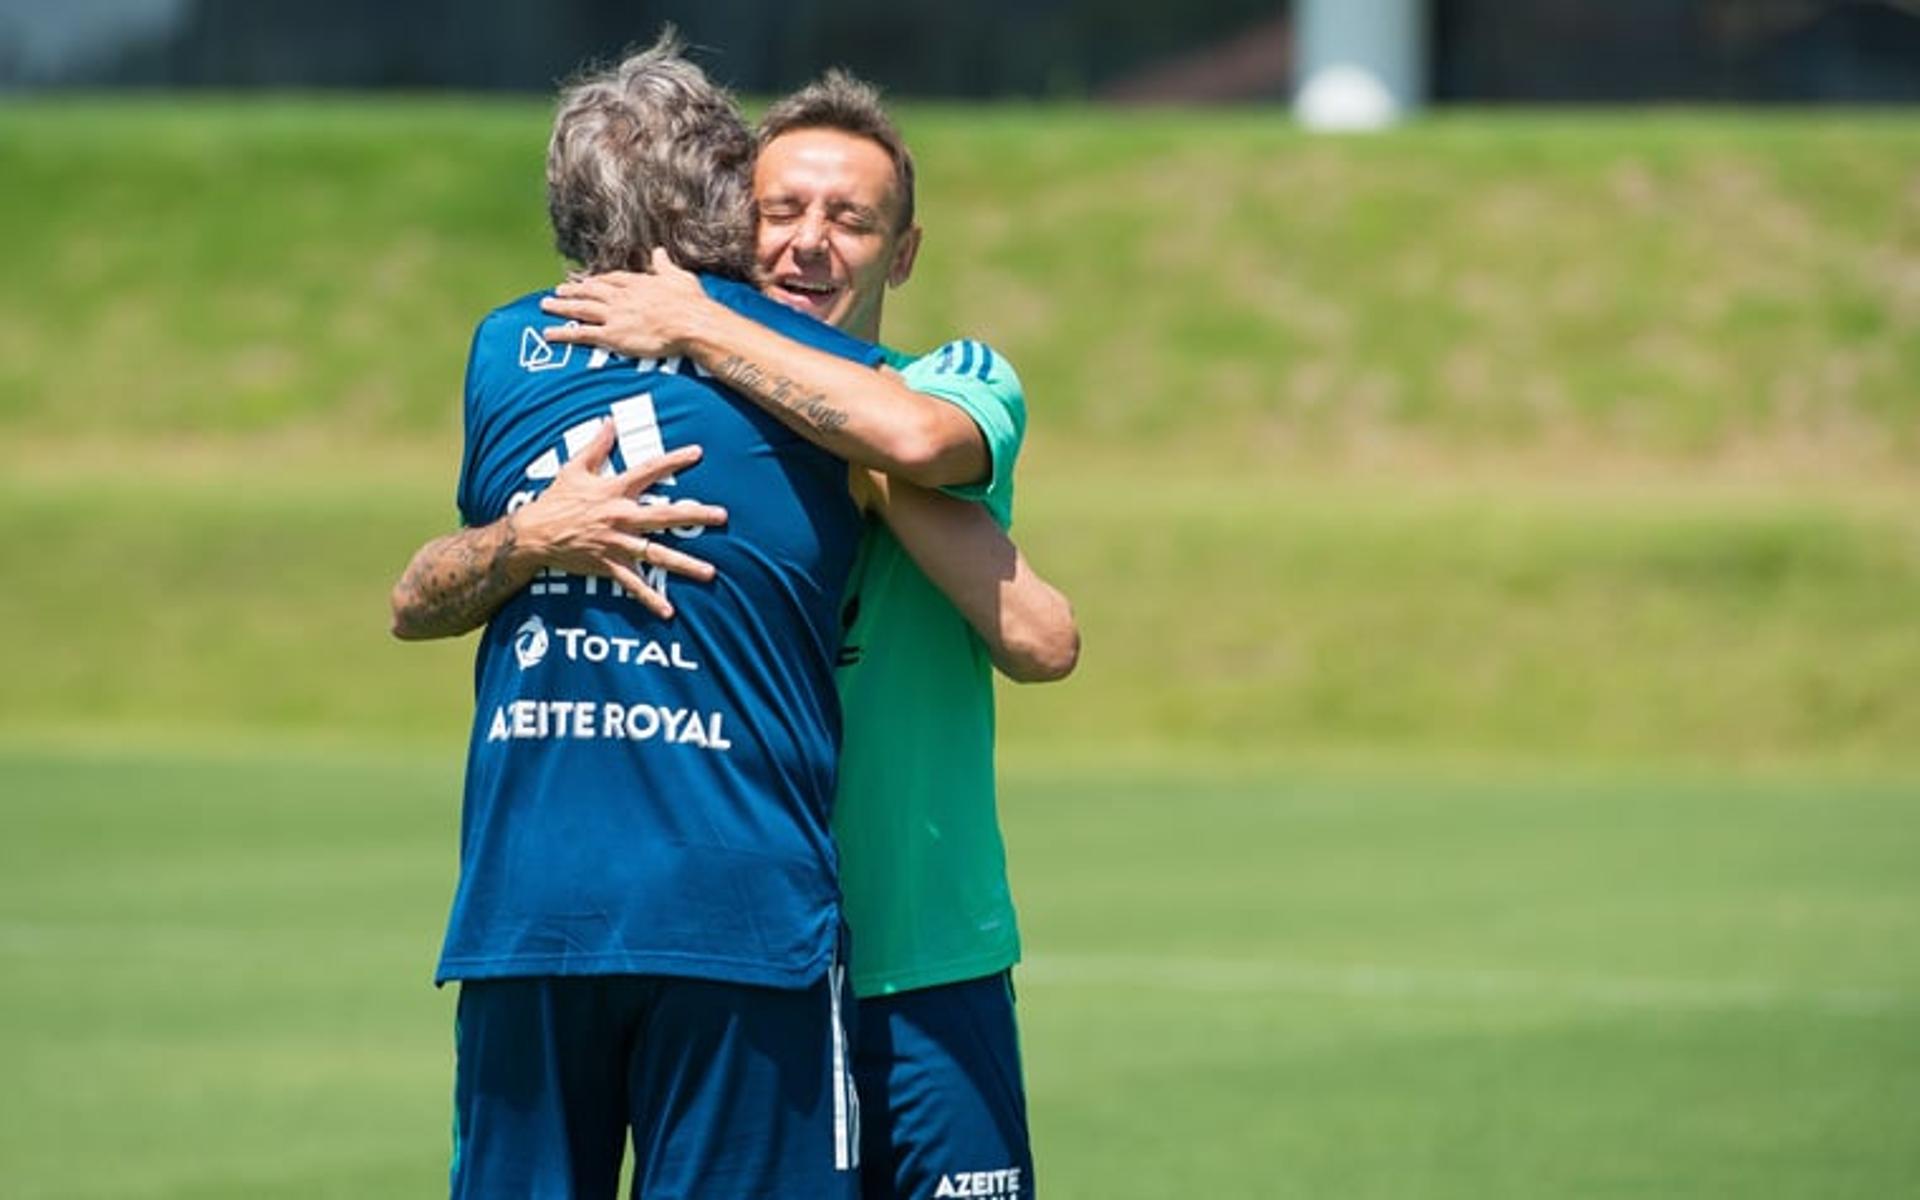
(1242, 980)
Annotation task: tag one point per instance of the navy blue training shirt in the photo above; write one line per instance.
(648, 796)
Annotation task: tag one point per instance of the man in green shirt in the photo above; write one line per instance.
(938, 597)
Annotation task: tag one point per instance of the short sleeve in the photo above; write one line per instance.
(981, 383)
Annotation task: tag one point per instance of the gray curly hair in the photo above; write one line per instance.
(649, 153)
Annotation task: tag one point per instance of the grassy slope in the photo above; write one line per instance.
(1666, 284)
(1670, 284)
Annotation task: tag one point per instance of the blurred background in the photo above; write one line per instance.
(1768, 51)
(1494, 768)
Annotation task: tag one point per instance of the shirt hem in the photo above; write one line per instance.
(679, 966)
(892, 983)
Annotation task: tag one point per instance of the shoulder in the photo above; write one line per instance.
(511, 336)
(971, 373)
(965, 359)
(518, 312)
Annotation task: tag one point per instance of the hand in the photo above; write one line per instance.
(639, 316)
(587, 523)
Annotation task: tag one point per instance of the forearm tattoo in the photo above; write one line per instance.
(782, 393)
(455, 583)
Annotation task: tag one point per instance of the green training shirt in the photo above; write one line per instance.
(922, 866)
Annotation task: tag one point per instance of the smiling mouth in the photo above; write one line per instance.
(800, 293)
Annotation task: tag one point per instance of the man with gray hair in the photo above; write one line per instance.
(646, 929)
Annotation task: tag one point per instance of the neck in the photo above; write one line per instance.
(865, 326)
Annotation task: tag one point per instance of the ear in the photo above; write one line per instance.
(904, 253)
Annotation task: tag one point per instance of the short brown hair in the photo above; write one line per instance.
(649, 153)
(840, 101)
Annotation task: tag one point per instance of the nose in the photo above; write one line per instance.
(810, 238)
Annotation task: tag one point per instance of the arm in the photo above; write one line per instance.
(455, 582)
(867, 417)
(585, 523)
(1026, 622)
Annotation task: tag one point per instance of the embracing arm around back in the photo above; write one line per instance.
(1026, 622)
(910, 441)
(585, 523)
(868, 417)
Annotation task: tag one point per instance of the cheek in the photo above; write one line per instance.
(864, 260)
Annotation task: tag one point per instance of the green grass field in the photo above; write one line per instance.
(1495, 765)
(1242, 981)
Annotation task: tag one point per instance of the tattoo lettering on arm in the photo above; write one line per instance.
(781, 392)
(456, 582)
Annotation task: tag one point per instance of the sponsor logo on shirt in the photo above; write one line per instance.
(530, 642)
(611, 720)
(637, 429)
(596, 720)
(533, 640)
(538, 354)
(1004, 1182)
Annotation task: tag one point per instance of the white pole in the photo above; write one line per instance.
(1362, 63)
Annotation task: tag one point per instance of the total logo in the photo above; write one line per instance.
(1005, 1182)
(530, 643)
(533, 640)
